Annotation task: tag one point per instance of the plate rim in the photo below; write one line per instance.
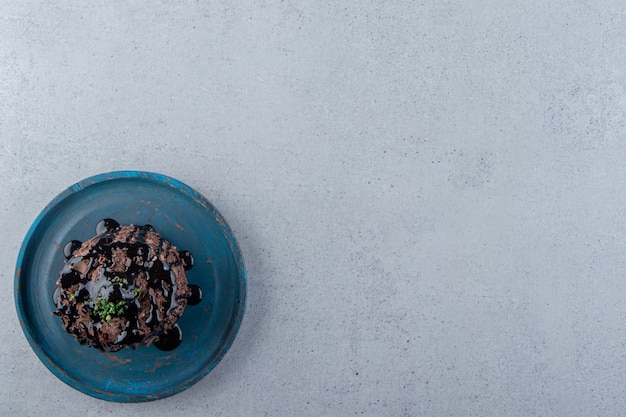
(161, 179)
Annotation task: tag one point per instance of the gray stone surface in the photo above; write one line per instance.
(430, 195)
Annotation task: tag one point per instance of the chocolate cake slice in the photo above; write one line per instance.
(125, 287)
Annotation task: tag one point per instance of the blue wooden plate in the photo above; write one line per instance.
(182, 216)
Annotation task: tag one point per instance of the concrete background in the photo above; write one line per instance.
(430, 195)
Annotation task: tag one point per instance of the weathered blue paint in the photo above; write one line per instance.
(182, 216)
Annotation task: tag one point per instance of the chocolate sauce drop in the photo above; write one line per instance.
(106, 225)
(195, 295)
(70, 278)
(170, 340)
(70, 247)
(187, 258)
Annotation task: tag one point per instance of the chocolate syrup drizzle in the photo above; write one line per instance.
(116, 287)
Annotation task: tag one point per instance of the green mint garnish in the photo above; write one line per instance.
(120, 280)
(106, 309)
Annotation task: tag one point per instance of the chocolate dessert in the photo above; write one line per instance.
(125, 287)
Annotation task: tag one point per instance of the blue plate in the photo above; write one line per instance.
(182, 216)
